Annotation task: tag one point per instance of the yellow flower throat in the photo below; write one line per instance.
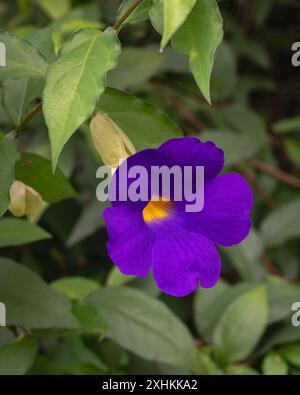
(156, 210)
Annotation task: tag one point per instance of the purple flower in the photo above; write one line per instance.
(179, 246)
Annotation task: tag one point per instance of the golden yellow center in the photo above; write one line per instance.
(156, 210)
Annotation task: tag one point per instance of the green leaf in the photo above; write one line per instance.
(145, 326)
(145, 126)
(241, 326)
(283, 334)
(116, 278)
(287, 125)
(245, 257)
(17, 357)
(273, 364)
(243, 136)
(209, 364)
(89, 221)
(281, 297)
(35, 171)
(224, 76)
(156, 14)
(72, 356)
(29, 301)
(130, 71)
(292, 148)
(42, 365)
(92, 322)
(204, 307)
(75, 287)
(199, 37)
(240, 371)
(15, 232)
(291, 353)
(18, 96)
(42, 40)
(282, 224)
(54, 8)
(23, 60)
(210, 304)
(8, 158)
(175, 13)
(75, 81)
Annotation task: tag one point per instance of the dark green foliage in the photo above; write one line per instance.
(69, 310)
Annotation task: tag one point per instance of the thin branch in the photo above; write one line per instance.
(276, 173)
(179, 106)
(263, 194)
(119, 23)
(36, 109)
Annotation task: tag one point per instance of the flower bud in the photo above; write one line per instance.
(110, 141)
(24, 200)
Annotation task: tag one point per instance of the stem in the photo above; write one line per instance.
(179, 106)
(276, 173)
(119, 23)
(36, 109)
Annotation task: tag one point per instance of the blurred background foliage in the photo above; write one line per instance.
(69, 310)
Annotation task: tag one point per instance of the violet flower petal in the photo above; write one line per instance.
(225, 217)
(181, 259)
(130, 241)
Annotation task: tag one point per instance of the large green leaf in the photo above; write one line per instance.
(23, 60)
(8, 158)
(35, 171)
(241, 326)
(29, 301)
(75, 81)
(282, 224)
(15, 232)
(175, 13)
(146, 126)
(17, 357)
(145, 326)
(199, 37)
